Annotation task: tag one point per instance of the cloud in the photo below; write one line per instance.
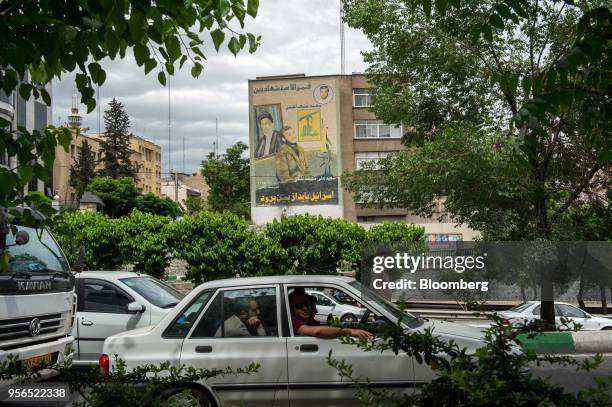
(297, 37)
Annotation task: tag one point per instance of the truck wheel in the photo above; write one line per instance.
(348, 318)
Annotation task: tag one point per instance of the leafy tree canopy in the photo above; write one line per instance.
(119, 195)
(115, 145)
(43, 40)
(83, 169)
(151, 203)
(228, 177)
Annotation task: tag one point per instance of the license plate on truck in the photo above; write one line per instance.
(35, 361)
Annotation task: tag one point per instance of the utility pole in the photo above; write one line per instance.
(175, 187)
(341, 41)
(169, 129)
(216, 137)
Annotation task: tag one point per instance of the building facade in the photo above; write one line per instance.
(304, 133)
(146, 157)
(32, 114)
(181, 186)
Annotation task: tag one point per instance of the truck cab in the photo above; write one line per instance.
(37, 297)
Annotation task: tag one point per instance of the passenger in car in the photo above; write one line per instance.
(242, 324)
(301, 320)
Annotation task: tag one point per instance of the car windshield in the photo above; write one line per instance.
(40, 254)
(520, 308)
(371, 296)
(154, 291)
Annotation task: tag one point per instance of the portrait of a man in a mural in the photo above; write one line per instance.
(290, 160)
(323, 94)
(269, 139)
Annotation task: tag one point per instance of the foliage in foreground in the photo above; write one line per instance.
(147, 385)
(496, 374)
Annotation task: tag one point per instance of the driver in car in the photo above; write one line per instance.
(301, 313)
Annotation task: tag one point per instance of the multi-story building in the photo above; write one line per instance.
(146, 156)
(32, 114)
(304, 133)
(180, 186)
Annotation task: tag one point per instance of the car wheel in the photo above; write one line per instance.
(348, 318)
(189, 396)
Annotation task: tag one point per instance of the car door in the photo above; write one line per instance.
(227, 334)
(313, 381)
(577, 316)
(102, 312)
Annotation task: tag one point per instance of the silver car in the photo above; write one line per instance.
(327, 305)
(204, 331)
(530, 311)
(109, 302)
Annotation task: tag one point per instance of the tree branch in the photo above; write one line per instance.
(577, 191)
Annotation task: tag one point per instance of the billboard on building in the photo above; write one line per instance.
(295, 147)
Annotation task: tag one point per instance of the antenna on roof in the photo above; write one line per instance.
(342, 53)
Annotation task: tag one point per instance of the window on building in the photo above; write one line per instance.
(72, 151)
(362, 97)
(362, 158)
(376, 129)
(40, 116)
(21, 111)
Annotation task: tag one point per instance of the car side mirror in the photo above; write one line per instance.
(135, 307)
(81, 262)
(587, 316)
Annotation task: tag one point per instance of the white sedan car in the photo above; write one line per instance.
(327, 305)
(530, 311)
(109, 302)
(203, 332)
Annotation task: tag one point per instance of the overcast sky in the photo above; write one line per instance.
(298, 36)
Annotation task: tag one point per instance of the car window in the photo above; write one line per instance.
(570, 312)
(536, 311)
(154, 291)
(183, 323)
(240, 313)
(101, 296)
(521, 307)
(322, 300)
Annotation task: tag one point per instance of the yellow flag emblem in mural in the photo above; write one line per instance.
(309, 125)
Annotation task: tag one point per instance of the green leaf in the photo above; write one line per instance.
(253, 43)
(223, 7)
(182, 62)
(173, 47)
(161, 77)
(239, 12)
(487, 32)
(526, 85)
(496, 21)
(149, 65)
(234, 46)
(196, 70)
(91, 104)
(217, 36)
(25, 172)
(45, 96)
(252, 7)
(141, 53)
(138, 25)
(441, 6)
(98, 76)
(25, 90)
(518, 7)
(426, 7)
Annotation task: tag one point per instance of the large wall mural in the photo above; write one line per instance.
(294, 142)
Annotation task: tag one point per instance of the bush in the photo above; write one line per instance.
(151, 203)
(315, 244)
(145, 243)
(119, 195)
(218, 245)
(395, 232)
(100, 235)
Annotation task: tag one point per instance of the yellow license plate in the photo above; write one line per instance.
(31, 363)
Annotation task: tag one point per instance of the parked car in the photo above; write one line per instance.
(293, 369)
(530, 311)
(109, 302)
(327, 305)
